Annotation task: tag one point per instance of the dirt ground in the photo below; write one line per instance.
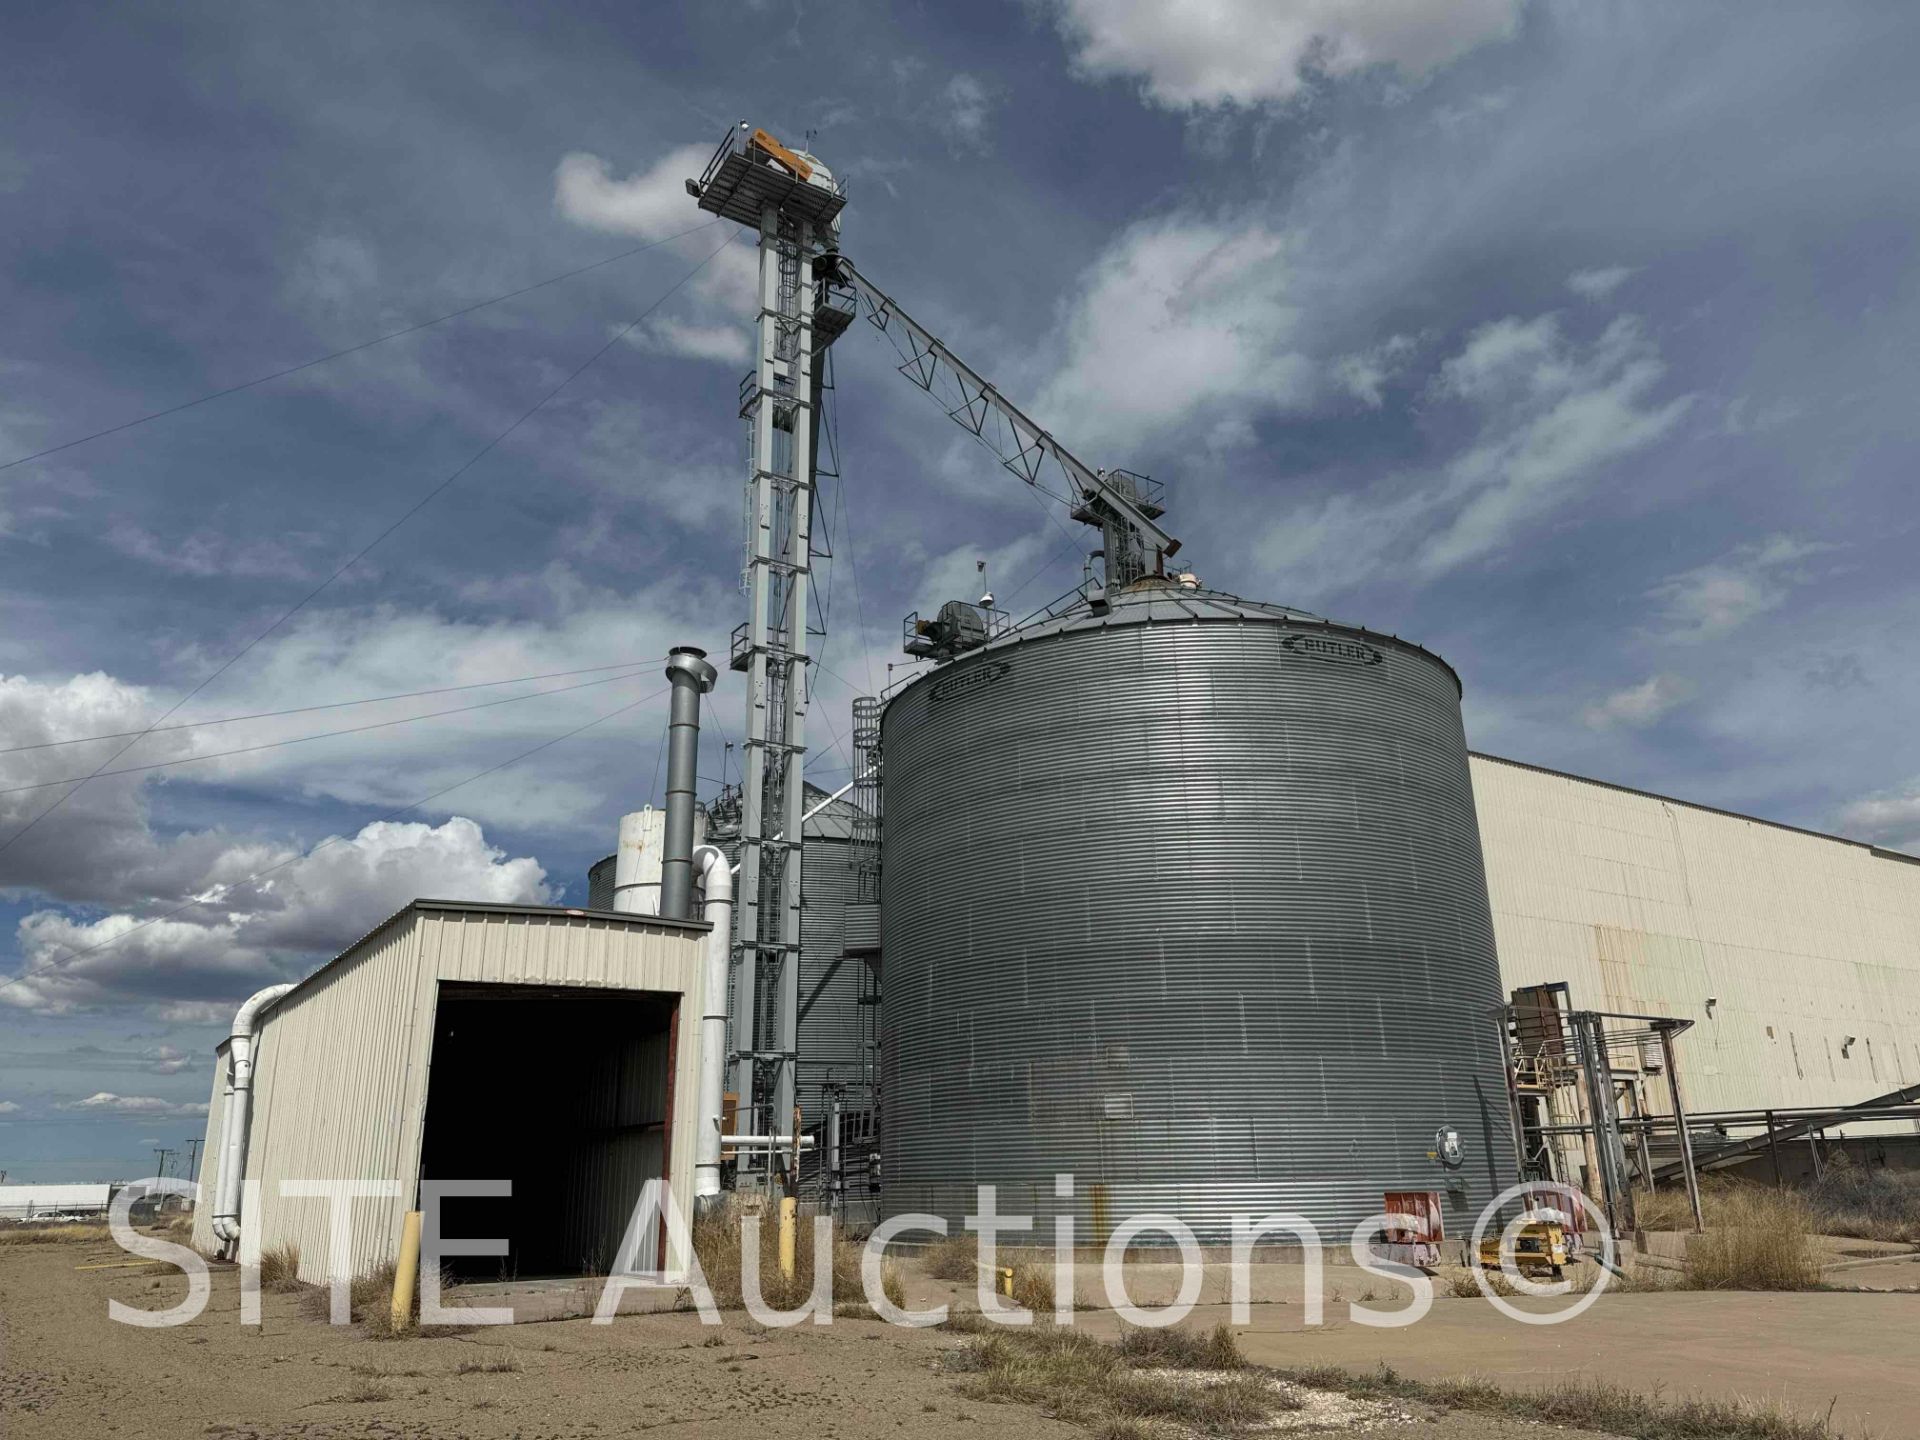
(66, 1370)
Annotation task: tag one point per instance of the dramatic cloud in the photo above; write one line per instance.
(966, 105)
(651, 205)
(729, 344)
(250, 931)
(1598, 284)
(1891, 818)
(1716, 599)
(1248, 51)
(1545, 414)
(654, 205)
(106, 1100)
(1180, 319)
(1555, 413)
(1639, 705)
(1365, 375)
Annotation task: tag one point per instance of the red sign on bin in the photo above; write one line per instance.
(1422, 1210)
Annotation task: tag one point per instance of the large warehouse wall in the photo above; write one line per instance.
(1650, 905)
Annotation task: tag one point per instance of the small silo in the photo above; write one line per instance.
(1184, 897)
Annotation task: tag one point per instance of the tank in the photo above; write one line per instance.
(838, 1013)
(1185, 899)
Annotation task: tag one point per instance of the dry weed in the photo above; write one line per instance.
(1583, 1404)
(65, 1233)
(1759, 1240)
(956, 1258)
(717, 1243)
(1148, 1382)
(280, 1268)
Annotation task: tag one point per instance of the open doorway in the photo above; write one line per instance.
(567, 1093)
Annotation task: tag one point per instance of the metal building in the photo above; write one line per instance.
(553, 1048)
(1795, 954)
(1183, 895)
(29, 1202)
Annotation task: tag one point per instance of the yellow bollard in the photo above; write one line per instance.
(1006, 1281)
(406, 1270)
(789, 1223)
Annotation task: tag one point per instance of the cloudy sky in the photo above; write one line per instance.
(1575, 341)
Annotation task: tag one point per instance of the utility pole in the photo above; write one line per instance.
(160, 1155)
(193, 1159)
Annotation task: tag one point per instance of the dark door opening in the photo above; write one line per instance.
(565, 1092)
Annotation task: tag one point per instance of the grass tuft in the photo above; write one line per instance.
(501, 1365)
(67, 1233)
(956, 1258)
(1850, 1199)
(1148, 1382)
(1867, 1204)
(1759, 1240)
(280, 1268)
(716, 1240)
(1177, 1348)
(1033, 1287)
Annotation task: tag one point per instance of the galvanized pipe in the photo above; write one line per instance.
(692, 677)
(844, 789)
(237, 1112)
(1680, 1127)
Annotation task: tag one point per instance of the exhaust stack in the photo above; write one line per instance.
(692, 677)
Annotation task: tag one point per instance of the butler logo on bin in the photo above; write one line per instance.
(1333, 647)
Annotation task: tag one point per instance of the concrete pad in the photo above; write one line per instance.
(1803, 1351)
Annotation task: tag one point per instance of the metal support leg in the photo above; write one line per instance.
(1680, 1126)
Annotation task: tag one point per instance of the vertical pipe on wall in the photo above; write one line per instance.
(716, 881)
(836, 1165)
(692, 677)
(233, 1137)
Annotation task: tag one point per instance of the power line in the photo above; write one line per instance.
(351, 349)
(415, 509)
(329, 705)
(1057, 553)
(846, 531)
(323, 735)
(55, 962)
(726, 751)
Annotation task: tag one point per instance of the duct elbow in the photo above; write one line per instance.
(715, 873)
(247, 1017)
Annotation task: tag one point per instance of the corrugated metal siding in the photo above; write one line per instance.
(625, 1091)
(600, 884)
(1191, 914)
(1652, 905)
(342, 1072)
(835, 1038)
(338, 1092)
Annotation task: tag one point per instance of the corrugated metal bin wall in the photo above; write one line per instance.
(1188, 903)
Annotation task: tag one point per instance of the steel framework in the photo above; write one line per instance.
(1123, 505)
(1561, 1064)
(748, 182)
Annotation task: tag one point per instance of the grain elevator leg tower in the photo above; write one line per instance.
(792, 201)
